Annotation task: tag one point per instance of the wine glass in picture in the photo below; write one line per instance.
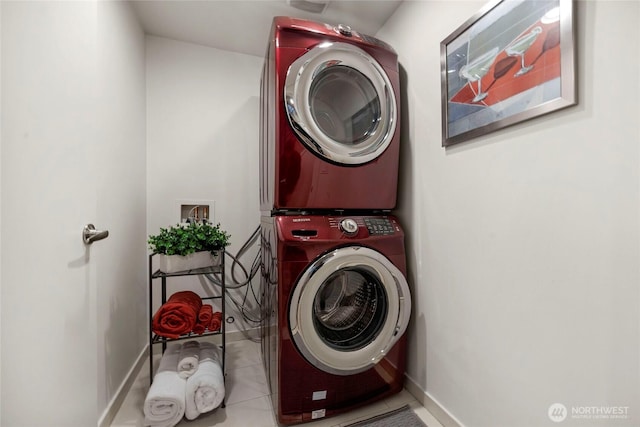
(520, 46)
(501, 68)
(477, 69)
(552, 39)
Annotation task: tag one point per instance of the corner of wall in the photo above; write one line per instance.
(443, 416)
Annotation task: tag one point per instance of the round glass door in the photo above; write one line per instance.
(340, 103)
(348, 309)
(344, 105)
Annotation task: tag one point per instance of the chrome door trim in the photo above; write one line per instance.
(298, 83)
(313, 348)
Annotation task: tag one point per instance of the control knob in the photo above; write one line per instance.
(345, 30)
(349, 227)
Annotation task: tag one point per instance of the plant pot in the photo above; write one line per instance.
(177, 263)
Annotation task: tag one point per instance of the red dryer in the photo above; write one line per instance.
(336, 306)
(330, 109)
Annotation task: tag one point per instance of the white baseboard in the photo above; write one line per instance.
(433, 406)
(114, 405)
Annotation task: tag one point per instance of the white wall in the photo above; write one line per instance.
(122, 286)
(523, 245)
(202, 139)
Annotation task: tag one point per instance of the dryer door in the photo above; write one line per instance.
(341, 104)
(348, 309)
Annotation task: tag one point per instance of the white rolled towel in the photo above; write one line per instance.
(205, 388)
(188, 360)
(164, 405)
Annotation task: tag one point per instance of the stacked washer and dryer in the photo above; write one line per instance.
(335, 299)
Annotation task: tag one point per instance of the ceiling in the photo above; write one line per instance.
(243, 25)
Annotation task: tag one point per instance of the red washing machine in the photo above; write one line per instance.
(336, 305)
(330, 108)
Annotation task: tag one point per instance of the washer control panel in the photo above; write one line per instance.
(352, 227)
(379, 226)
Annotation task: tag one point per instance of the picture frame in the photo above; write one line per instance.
(512, 61)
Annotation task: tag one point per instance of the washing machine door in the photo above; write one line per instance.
(348, 309)
(341, 104)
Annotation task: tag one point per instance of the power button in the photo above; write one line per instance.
(349, 227)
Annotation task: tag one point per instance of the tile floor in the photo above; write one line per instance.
(248, 401)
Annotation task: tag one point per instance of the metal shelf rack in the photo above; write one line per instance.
(217, 271)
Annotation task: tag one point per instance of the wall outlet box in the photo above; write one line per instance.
(190, 210)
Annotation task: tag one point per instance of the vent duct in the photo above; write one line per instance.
(313, 6)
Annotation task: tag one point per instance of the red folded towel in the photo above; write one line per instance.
(204, 319)
(216, 321)
(178, 315)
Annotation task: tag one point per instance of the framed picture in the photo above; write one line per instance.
(512, 61)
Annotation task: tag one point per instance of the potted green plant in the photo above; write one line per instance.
(189, 246)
